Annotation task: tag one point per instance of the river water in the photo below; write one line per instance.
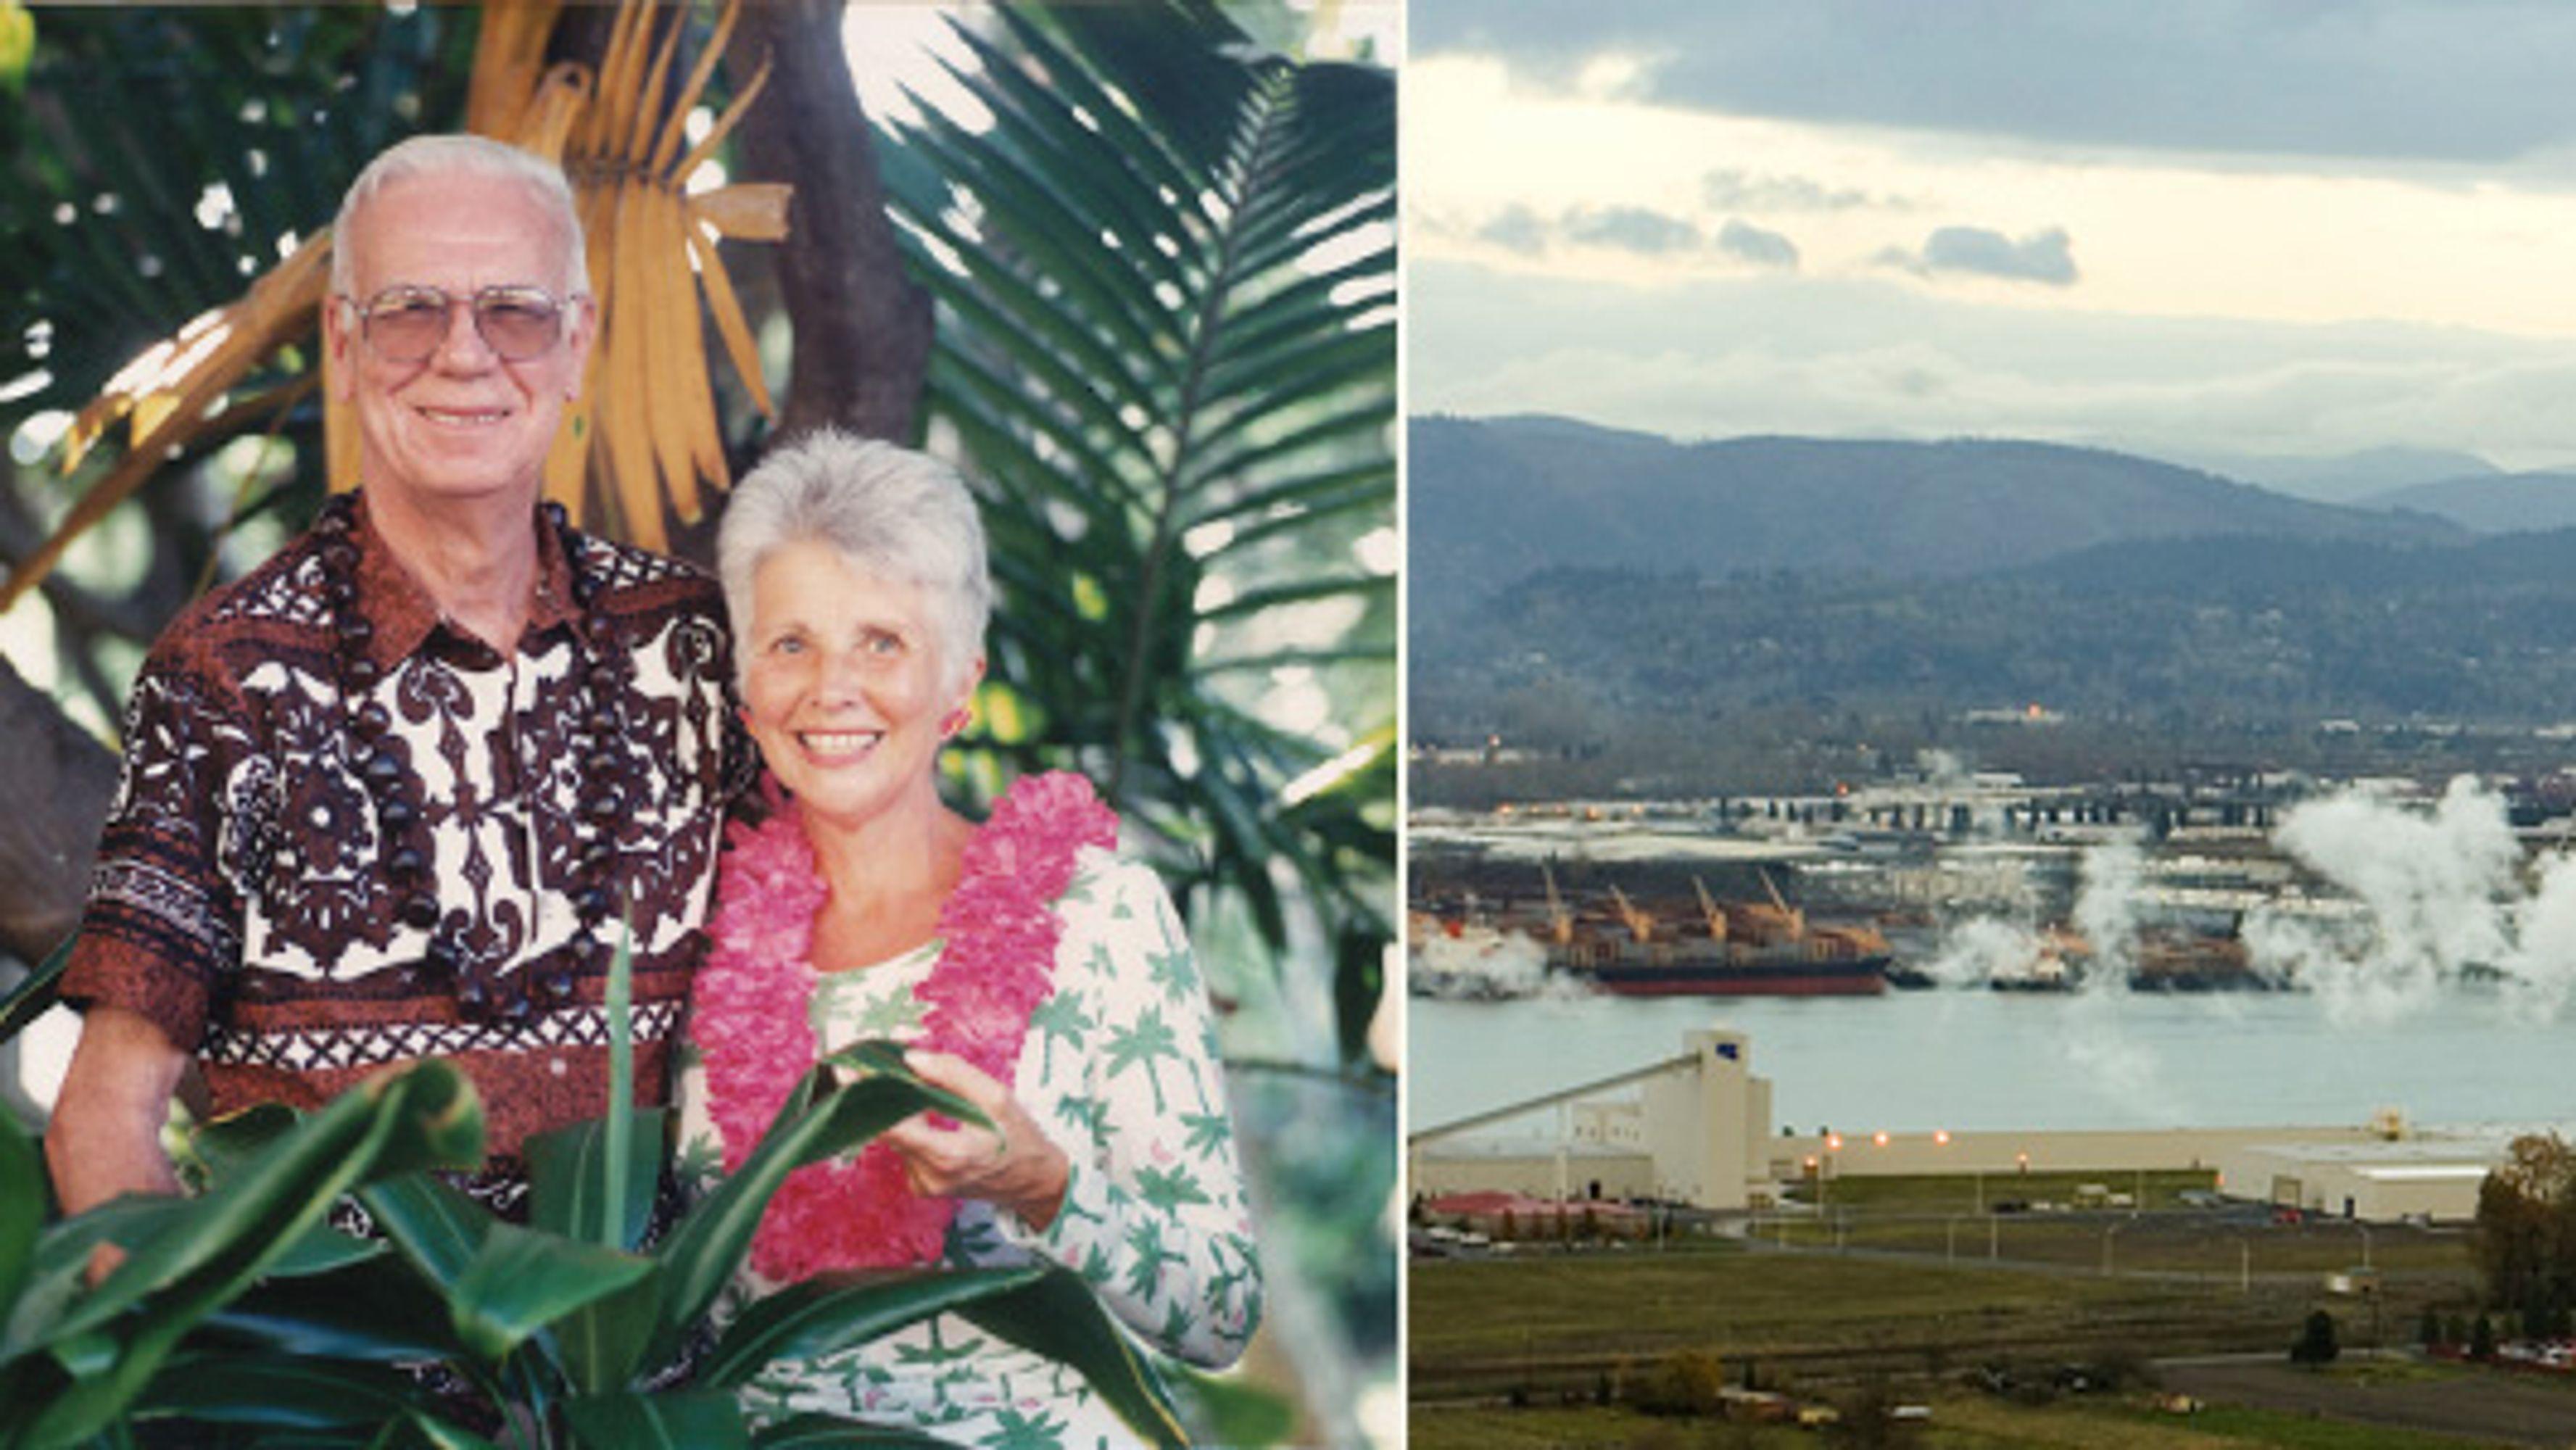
(1973, 1059)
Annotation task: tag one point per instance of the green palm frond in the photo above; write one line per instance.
(1167, 271)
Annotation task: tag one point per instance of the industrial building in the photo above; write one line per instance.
(1691, 1129)
(1696, 1128)
(2379, 1179)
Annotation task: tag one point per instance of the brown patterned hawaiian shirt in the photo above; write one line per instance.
(241, 900)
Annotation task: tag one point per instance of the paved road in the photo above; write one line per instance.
(2506, 1408)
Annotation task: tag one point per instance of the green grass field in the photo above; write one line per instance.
(2169, 1243)
(1640, 1303)
(1912, 1300)
(1958, 1423)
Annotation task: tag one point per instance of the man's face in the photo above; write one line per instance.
(462, 422)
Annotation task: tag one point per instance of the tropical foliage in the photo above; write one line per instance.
(243, 1307)
(1165, 337)
(1166, 270)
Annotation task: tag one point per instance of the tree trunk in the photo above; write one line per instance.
(863, 330)
(56, 781)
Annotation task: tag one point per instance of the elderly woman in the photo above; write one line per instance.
(1026, 967)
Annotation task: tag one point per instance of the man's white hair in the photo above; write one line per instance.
(888, 510)
(461, 155)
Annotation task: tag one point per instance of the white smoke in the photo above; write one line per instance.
(1950, 782)
(1982, 948)
(2542, 968)
(2097, 1044)
(1482, 963)
(2094, 1041)
(1944, 769)
(2106, 912)
(2436, 890)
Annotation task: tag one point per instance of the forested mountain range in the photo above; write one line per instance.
(1644, 576)
(1491, 501)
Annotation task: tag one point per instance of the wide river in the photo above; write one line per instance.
(1974, 1059)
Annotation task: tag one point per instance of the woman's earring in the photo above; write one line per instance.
(954, 721)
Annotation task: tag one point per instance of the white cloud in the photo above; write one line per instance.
(2046, 257)
(1774, 355)
(2057, 289)
(1761, 248)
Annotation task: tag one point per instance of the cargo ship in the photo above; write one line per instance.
(1735, 950)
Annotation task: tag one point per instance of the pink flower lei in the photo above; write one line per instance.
(751, 1024)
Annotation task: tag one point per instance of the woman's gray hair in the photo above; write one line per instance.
(463, 155)
(888, 510)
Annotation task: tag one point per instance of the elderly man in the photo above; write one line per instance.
(391, 794)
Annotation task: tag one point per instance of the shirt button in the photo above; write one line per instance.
(556, 1066)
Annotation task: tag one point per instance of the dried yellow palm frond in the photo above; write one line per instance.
(547, 120)
(653, 442)
(642, 435)
(170, 394)
(752, 211)
(509, 52)
(730, 322)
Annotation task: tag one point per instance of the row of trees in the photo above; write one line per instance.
(2525, 1240)
(2483, 640)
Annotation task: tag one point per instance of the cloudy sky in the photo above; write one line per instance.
(2195, 228)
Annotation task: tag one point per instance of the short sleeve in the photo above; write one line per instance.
(191, 819)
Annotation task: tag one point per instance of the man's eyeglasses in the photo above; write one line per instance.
(407, 324)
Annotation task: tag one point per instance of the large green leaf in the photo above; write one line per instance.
(521, 1280)
(192, 1258)
(570, 1185)
(28, 1000)
(278, 1390)
(431, 1222)
(1058, 1316)
(826, 1432)
(1165, 269)
(23, 1196)
(378, 1311)
(835, 1312)
(816, 1121)
(703, 1420)
(322, 1249)
(61, 1258)
(603, 1343)
(225, 1145)
(595, 1182)
(442, 1436)
(1231, 1410)
(219, 1150)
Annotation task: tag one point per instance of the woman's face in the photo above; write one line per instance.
(843, 682)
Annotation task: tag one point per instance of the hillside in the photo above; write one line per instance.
(1494, 501)
(2490, 503)
(2247, 629)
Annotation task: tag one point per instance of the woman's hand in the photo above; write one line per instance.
(1012, 1164)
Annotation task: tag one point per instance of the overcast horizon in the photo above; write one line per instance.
(2200, 232)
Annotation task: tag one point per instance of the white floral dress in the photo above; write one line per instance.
(1120, 1068)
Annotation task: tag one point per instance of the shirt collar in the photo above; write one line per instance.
(401, 615)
